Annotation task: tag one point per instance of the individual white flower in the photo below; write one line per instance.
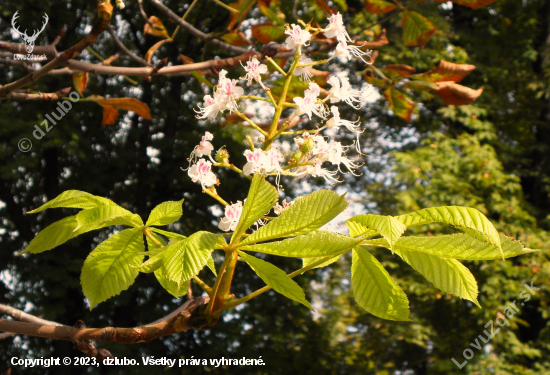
(344, 50)
(308, 104)
(336, 157)
(337, 29)
(316, 170)
(343, 92)
(304, 72)
(260, 161)
(229, 89)
(201, 172)
(336, 122)
(253, 70)
(212, 106)
(232, 215)
(321, 148)
(298, 37)
(204, 147)
(278, 209)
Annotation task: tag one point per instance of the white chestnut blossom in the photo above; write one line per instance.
(201, 172)
(344, 50)
(204, 148)
(343, 92)
(260, 161)
(336, 122)
(230, 90)
(278, 209)
(316, 170)
(225, 97)
(304, 72)
(253, 70)
(336, 157)
(212, 106)
(297, 36)
(308, 104)
(336, 29)
(232, 215)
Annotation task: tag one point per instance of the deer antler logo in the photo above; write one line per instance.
(29, 40)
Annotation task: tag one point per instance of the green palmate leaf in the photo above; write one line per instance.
(184, 259)
(375, 290)
(314, 244)
(388, 226)
(53, 235)
(307, 214)
(172, 287)
(277, 279)
(168, 234)
(165, 213)
(267, 33)
(308, 261)
(63, 230)
(108, 269)
(210, 264)
(101, 215)
(399, 103)
(458, 246)
(449, 275)
(417, 29)
(466, 219)
(262, 196)
(379, 6)
(74, 199)
(474, 4)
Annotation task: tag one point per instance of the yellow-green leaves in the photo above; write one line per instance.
(165, 213)
(399, 103)
(262, 196)
(388, 226)
(417, 29)
(277, 279)
(108, 269)
(466, 219)
(374, 289)
(457, 246)
(183, 259)
(313, 244)
(73, 199)
(307, 214)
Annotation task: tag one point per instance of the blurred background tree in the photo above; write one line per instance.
(492, 155)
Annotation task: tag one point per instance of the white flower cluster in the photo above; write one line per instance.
(225, 97)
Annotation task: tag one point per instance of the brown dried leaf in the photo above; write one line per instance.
(80, 82)
(110, 115)
(129, 104)
(453, 93)
(152, 50)
(380, 41)
(401, 69)
(157, 29)
(447, 71)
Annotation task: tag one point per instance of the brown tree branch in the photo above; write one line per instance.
(188, 318)
(126, 51)
(195, 32)
(24, 317)
(22, 96)
(101, 23)
(48, 50)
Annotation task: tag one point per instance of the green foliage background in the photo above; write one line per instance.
(493, 155)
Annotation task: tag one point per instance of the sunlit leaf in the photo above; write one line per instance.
(400, 103)
(446, 71)
(236, 38)
(108, 269)
(277, 279)
(243, 6)
(165, 213)
(267, 32)
(453, 93)
(154, 48)
(157, 29)
(128, 104)
(80, 82)
(388, 226)
(74, 199)
(401, 69)
(379, 6)
(374, 289)
(417, 29)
